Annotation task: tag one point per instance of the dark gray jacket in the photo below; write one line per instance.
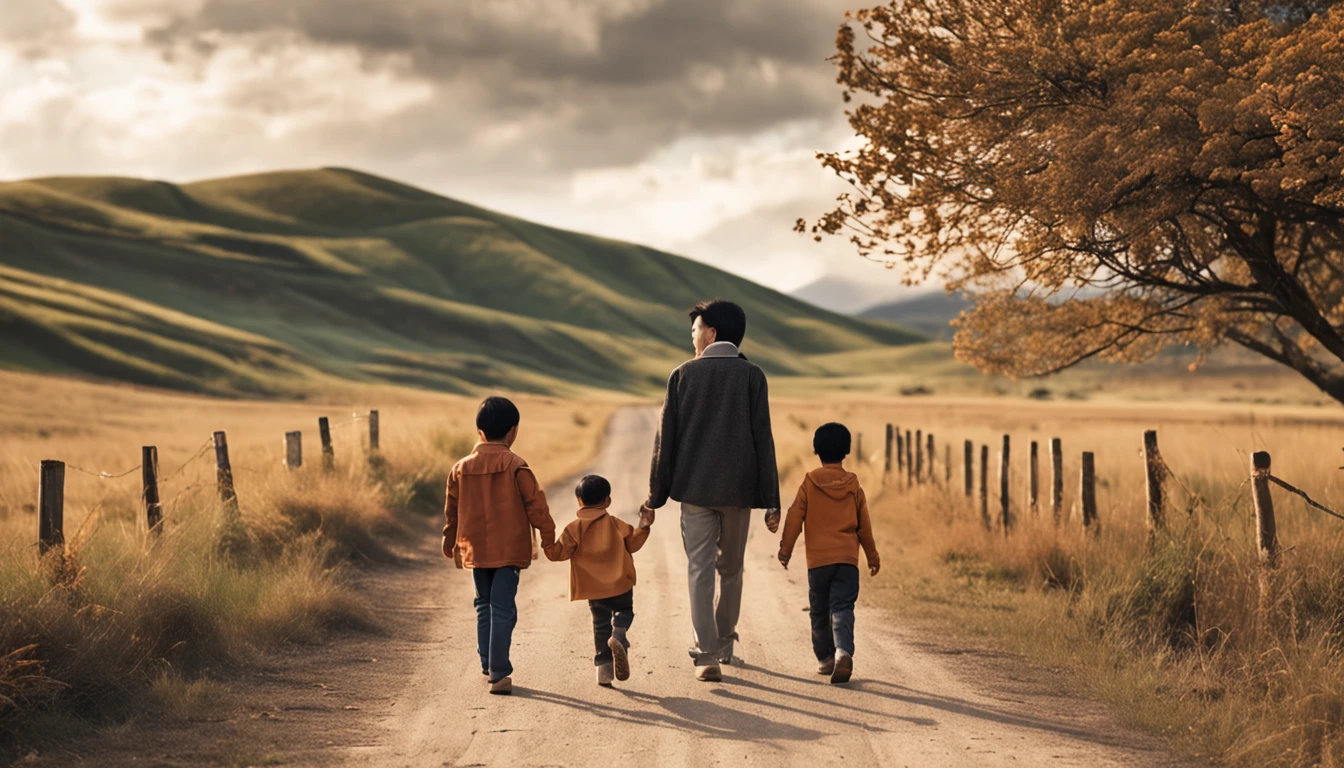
(714, 446)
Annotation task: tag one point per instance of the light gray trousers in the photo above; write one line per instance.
(716, 541)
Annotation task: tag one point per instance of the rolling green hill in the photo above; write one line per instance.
(281, 283)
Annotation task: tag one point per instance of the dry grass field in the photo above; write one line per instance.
(1172, 635)
(125, 620)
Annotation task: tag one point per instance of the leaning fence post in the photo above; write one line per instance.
(886, 463)
(984, 487)
(929, 439)
(1033, 487)
(1005, 516)
(224, 475)
(1154, 470)
(968, 465)
(1056, 479)
(373, 431)
(51, 506)
(293, 450)
(328, 454)
(149, 475)
(919, 456)
(1088, 492)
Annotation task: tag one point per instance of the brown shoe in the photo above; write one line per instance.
(709, 673)
(502, 687)
(844, 667)
(620, 659)
(604, 675)
(826, 667)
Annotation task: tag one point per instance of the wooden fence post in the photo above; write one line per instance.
(900, 453)
(293, 450)
(1154, 470)
(968, 466)
(328, 453)
(858, 447)
(929, 439)
(224, 475)
(1267, 539)
(373, 431)
(1056, 479)
(919, 456)
(909, 460)
(947, 466)
(149, 475)
(1005, 515)
(886, 461)
(51, 506)
(1088, 492)
(984, 487)
(1033, 485)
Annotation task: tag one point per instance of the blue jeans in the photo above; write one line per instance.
(496, 615)
(832, 591)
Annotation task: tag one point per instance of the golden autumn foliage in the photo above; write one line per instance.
(1107, 177)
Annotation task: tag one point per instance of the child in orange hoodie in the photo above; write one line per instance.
(833, 512)
(601, 571)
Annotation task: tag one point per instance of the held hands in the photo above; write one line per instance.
(646, 516)
(784, 558)
(772, 520)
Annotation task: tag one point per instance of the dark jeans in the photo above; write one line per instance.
(832, 590)
(609, 612)
(496, 615)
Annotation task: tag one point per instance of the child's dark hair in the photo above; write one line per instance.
(592, 490)
(831, 442)
(496, 416)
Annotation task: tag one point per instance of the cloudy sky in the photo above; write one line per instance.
(690, 125)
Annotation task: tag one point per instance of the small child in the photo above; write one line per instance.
(601, 571)
(494, 502)
(833, 512)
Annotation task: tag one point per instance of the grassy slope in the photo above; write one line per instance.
(287, 282)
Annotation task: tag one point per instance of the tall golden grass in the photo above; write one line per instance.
(1171, 633)
(98, 628)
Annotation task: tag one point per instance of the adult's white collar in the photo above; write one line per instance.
(720, 349)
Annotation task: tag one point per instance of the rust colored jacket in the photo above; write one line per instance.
(494, 501)
(832, 514)
(598, 548)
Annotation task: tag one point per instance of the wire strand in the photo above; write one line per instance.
(200, 452)
(1308, 499)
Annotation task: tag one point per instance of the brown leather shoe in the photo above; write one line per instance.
(844, 667)
(709, 673)
(826, 667)
(502, 687)
(620, 659)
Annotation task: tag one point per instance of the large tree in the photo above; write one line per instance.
(1107, 176)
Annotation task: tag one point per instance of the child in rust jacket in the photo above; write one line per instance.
(494, 502)
(598, 547)
(832, 513)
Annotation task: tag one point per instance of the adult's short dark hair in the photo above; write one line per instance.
(725, 317)
(496, 416)
(831, 442)
(593, 490)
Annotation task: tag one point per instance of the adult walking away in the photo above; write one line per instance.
(715, 454)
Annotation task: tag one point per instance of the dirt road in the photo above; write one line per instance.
(914, 702)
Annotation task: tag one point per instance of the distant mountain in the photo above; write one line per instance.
(276, 283)
(850, 296)
(928, 313)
